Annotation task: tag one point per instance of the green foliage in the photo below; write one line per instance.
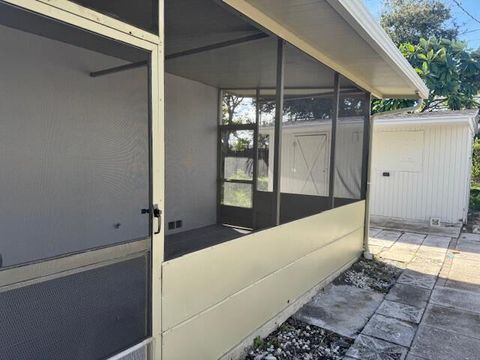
(407, 21)
(476, 163)
(241, 143)
(449, 69)
(474, 200)
(259, 343)
(307, 109)
(475, 184)
(263, 344)
(237, 195)
(379, 106)
(262, 183)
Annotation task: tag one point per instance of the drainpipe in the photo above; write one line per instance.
(366, 249)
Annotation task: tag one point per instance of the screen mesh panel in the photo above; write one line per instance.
(307, 122)
(350, 161)
(74, 150)
(138, 354)
(89, 315)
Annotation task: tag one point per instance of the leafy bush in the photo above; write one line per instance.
(475, 199)
(476, 164)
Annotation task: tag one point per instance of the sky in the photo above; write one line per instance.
(470, 28)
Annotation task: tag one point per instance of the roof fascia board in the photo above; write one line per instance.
(275, 27)
(358, 16)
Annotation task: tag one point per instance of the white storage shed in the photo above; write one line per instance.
(421, 165)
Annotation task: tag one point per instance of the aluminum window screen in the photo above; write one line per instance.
(140, 354)
(308, 104)
(74, 150)
(141, 351)
(349, 154)
(89, 315)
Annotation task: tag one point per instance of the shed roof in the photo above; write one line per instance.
(343, 35)
(466, 117)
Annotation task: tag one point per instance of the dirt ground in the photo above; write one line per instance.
(370, 275)
(473, 224)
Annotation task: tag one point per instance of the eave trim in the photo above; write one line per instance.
(358, 16)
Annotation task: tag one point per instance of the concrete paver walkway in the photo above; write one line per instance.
(345, 319)
(431, 313)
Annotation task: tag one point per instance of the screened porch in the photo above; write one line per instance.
(258, 133)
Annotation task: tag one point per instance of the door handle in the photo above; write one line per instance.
(157, 213)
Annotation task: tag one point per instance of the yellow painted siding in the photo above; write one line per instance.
(215, 298)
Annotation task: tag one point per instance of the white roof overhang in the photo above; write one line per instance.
(343, 35)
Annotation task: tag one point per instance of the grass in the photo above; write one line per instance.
(235, 194)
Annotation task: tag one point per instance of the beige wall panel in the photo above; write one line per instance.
(190, 157)
(214, 332)
(85, 21)
(230, 267)
(103, 19)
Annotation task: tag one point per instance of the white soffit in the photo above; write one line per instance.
(343, 35)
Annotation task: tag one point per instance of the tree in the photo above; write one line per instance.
(450, 71)
(407, 21)
(229, 106)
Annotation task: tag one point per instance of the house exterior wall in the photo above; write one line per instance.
(191, 108)
(216, 298)
(429, 170)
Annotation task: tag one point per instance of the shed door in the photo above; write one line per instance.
(310, 165)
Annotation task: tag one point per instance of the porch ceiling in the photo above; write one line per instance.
(343, 35)
(191, 24)
(250, 65)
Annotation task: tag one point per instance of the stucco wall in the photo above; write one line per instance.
(190, 152)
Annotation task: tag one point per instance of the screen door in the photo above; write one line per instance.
(237, 165)
(75, 183)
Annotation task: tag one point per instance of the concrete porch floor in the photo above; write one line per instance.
(431, 313)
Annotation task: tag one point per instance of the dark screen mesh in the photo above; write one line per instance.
(74, 150)
(139, 354)
(89, 315)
